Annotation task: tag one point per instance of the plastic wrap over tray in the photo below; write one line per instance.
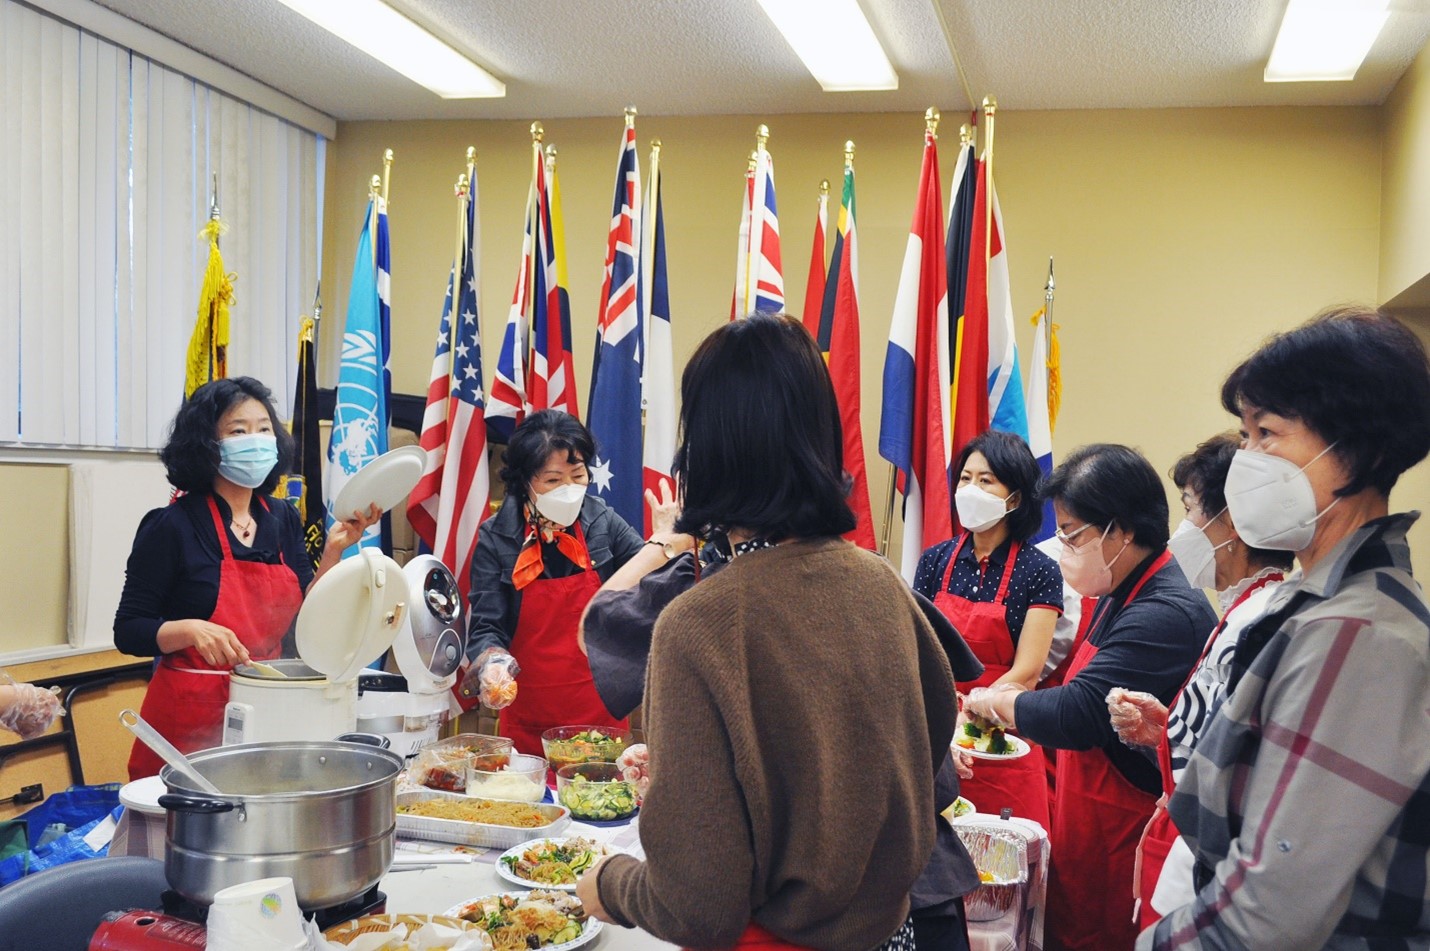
(481, 834)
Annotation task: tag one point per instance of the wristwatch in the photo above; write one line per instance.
(667, 547)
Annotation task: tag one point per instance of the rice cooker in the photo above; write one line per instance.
(410, 707)
(348, 619)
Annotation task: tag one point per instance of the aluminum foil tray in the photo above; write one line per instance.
(474, 833)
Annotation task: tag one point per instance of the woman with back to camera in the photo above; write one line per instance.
(216, 578)
(798, 703)
(537, 563)
(1146, 632)
(1003, 595)
(1212, 555)
(1306, 802)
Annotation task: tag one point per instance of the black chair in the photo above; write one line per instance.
(60, 908)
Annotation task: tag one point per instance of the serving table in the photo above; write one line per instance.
(421, 889)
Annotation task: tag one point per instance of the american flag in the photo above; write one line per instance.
(615, 405)
(450, 501)
(508, 405)
(552, 381)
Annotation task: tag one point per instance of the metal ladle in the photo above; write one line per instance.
(167, 752)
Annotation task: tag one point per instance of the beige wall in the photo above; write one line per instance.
(1182, 237)
(34, 508)
(1405, 189)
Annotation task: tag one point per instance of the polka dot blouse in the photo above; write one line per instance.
(1036, 579)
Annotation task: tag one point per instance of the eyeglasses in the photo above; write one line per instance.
(1066, 538)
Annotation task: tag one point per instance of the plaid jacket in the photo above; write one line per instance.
(1307, 800)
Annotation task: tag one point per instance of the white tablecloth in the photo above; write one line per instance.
(433, 890)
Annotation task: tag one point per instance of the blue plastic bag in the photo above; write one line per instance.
(79, 810)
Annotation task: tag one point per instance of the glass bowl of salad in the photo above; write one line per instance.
(596, 791)
(568, 745)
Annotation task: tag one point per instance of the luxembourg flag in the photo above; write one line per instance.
(615, 406)
(658, 379)
(911, 434)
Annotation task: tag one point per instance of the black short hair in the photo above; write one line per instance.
(1012, 462)
(190, 457)
(1105, 484)
(1358, 378)
(1203, 470)
(761, 447)
(535, 439)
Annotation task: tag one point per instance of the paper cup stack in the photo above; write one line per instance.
(256, 916)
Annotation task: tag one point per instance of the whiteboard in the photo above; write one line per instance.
(107, 501)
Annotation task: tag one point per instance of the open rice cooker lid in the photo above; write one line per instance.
(432, 642)
(351, 615)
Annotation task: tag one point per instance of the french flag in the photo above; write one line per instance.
(916, 366)
(658, 379)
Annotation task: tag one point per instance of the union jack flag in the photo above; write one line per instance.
(552, 381)
(759, 278)
(508, 403)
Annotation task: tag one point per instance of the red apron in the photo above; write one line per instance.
(1098, 816)
(556, 688)
(1020, 784)
(759, 939)
(186, 695)
(1161, 833)
(1059, 675)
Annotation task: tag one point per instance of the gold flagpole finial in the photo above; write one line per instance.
(537, 132)
(460, 189)
(550, 158)
(386, 172)
(965, 134)
(630, 115)
(931, 118)
(374, 186)
(754, 161)
(762, 135)
(655, 145)
(823, 187)
(990, 105)
(471, 155)
(849, 153)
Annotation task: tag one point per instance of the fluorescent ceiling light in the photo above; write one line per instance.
(836, 43)
(1323, 40)
(391, 38)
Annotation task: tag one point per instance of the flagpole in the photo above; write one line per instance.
(534, 205)
(386, 173)
(1047, 329)
(647, 270)
(317, 314)
(374, 191)
(990, 106)
(458, 264)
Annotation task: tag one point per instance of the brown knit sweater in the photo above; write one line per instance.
(797, 706)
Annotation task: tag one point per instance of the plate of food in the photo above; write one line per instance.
(518, 921)
(550, 863)
(982, 740)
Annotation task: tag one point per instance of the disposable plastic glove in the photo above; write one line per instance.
(980, 703)
(492, 678)
(26, 709)
(1139, 718)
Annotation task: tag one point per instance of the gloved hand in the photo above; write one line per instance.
(26, 709)
(1139, 718)
(492, 678)
(983, 702)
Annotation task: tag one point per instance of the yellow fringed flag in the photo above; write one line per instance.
(208, 347)
(1055, 378)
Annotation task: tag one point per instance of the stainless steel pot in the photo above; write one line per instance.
(320, 813)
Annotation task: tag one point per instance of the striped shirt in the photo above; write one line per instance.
(1307, 800)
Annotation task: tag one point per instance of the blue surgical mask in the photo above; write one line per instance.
(247, 460)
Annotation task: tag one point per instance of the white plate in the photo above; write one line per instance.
(589, 929)
(142, 795)
(516, 850)
(384, 482)
(1020, 749)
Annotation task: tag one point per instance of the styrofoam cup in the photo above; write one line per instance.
(262, 915)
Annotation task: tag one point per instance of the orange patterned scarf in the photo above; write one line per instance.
(529, 563)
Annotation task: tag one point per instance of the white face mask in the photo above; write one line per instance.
(562, 505)
(978, 509)
(1271, 501)
(1083, 568)
(1195, 553)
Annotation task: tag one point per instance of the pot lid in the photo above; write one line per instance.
(351, 614)
(432, 642)
(385, 482)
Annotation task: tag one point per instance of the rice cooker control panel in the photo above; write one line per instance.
(438, 644)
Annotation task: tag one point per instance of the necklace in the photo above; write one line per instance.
(244, 530)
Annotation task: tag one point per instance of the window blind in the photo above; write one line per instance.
(111, 164)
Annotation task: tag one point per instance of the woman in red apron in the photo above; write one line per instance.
(1147, 629)
(537, 563)
(1003, 596)
(216, 578)
(1212, 555)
